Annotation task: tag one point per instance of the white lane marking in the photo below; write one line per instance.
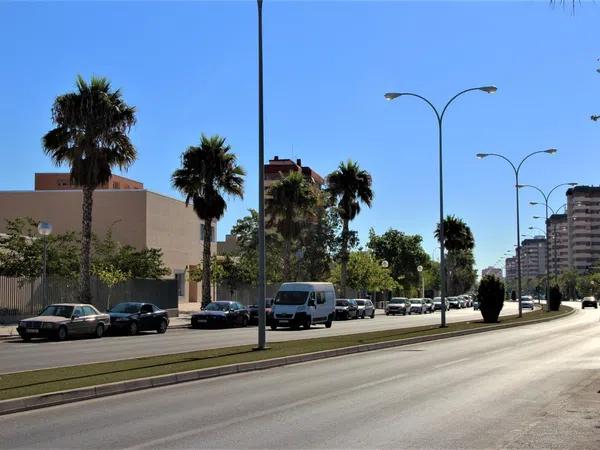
(450, 363)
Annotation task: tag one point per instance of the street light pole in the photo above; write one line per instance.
(546, 199)
(420, 270)
(262, 319)
(44, 229)
(517, 169)
(440, 119)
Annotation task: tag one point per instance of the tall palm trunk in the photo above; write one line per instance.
(287, 259)
(85, 294)
(345, 257)
(206, 260)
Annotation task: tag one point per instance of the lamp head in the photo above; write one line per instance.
(572, 184)
(488, 89)
(44, 228)
(482, 155)
(519, 186)
(551, 151)
(537, 217)
(533, 203)
(392, 95)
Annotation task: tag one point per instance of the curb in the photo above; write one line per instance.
(87, 393)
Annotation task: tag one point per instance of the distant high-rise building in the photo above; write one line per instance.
(494, 271)
(533, 257)
(583, 211)
(510, 268)
(557, 231)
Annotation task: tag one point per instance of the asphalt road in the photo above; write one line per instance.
(16, 355)
(516, 388)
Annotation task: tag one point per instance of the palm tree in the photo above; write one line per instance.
(207, 172)
(91, 136)
(288, 208)
(349, 185)
(457, 234)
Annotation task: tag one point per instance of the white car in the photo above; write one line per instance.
(417, 306)
(365, 308)
(527, 302)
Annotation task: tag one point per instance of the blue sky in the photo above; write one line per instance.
(190, 67)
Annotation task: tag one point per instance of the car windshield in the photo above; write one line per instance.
(397, 300)
(217, 306)
(127, 308)
(437, 299)
(342, 303)
(57, 310)
(290, 298)
(360, 302)
(416, 301)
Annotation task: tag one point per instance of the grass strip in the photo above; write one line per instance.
(22, 384)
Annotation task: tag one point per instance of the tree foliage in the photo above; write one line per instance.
(365, 274)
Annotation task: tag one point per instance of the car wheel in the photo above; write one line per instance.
(387, 313)
(61, 334)
(306, 323)
(25, 337)
(274, 325)
(244, 322)
(133, 328)
(99, 331)
(373, 314)
(162, 328)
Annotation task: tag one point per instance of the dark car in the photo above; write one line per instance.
(253, 312)
(346, 309)
(133, 317)
(61, 320)
(221, 314)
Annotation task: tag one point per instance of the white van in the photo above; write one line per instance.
(303, 304)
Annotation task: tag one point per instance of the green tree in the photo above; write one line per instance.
(289, 208)
(22, 251)
(349, 186)
(491, 298)
(365, 274)
(403, 252)
(207, 172)
(110, 276)
(568, 283)
(91, 136)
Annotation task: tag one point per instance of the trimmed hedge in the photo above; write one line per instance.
(491, 298)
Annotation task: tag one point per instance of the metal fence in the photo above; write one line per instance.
(21, 297)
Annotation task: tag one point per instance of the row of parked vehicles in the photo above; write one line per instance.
(62, 320)
(404, 306)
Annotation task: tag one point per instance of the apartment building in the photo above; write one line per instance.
(583, 210)
(557, 230)
(533, 257)
(278, 168)
(493, 271)
(136, 216)
(510, 268)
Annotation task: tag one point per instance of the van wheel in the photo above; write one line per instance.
(328, 323)
(307, 323)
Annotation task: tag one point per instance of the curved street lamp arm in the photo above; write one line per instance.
(539, 190)
(529, 156)
(455, 97)
(556, 187)
(437, 114)
(505, 159)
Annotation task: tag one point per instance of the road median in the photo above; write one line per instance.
(47, 387)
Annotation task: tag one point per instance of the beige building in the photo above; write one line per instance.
(137, 217)
(493, 271)
(510, 267)
(557, 231)
(583, 210)
(62, 182)
(533, 258)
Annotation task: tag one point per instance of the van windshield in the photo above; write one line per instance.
(290, 298)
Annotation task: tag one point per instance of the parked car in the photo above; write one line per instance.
(221, 314)
(417, 306)
(468, 300)
(589, 301)
(365, 308)
(397, 305)
(454, 303)
(61, 320)
(437, 304)
(476, 305)
(527, 302)
(133, 317)
(429, 304)
(304, 304)
(346, 309)
(253, 311)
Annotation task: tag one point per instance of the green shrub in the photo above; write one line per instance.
(513, 296)
(491, 298)
(555, 298)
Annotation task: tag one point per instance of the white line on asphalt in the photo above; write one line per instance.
(450, 363)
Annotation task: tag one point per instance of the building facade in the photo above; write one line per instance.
(493, 271)
(279, 168)
(583, 210)
(557, 230)
(533, 257)
(510, 268)
(136, 217)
